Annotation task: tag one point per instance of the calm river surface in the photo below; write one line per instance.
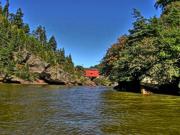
(55, 110)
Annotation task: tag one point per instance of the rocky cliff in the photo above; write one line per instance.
(40, 72)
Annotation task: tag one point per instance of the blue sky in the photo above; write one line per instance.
(85, 28)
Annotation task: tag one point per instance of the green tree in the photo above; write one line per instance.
(152, 49)
(163, 3)
(40, 34)
(17, 44)
(112, 56)
(6, 9)
(139, 27)
(26, 28)
(69, 66)
(52, 43)
(18, 19)
(61, 59)
(1, 8)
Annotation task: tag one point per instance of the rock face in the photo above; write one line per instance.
(36, 65)
(88, 82)
(44, 72)
(55, 75)
(145, 92)
(1, 77)
(21, 56)
(102, 81)
(13, 79)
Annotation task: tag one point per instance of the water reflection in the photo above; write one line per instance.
(85, 111)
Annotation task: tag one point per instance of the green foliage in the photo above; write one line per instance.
(1, 8)
(102, 81)
(40, 34)
(6, 10)
(163, 3)
(17, 19)
(69, 65)
(79, 71)
(6, 56)
(52, 43)
(152, 48)
(15, 37)
(23, 72)
(112, 56)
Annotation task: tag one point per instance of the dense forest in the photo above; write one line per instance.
(29, 55)
(150, 53)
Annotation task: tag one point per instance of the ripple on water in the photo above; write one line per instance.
(59, 110)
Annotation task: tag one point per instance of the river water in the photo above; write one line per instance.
(55, 110)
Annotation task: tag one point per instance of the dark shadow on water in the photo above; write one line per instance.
(129, 87)
(135, 87)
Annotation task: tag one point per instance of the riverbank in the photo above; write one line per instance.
(42, 82)
(39, 71)
(147, 88)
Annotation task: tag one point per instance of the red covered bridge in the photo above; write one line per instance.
(93, 73)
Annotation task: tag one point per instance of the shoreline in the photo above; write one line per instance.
(44, 83)
(145, 91)
(149, 89)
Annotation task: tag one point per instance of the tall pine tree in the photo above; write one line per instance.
(40, 34)
(1, 9)
(163, 3)
(19, 18)
(139, 27)
(6, 9)
(52, 43)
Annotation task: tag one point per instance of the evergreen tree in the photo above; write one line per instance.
(52, 43)
(139, 27)
(6, 9)
(69, 67)
(60, 55)
(18, 18)
(40, 34)
(16, 42)
(1, 8)
(26, 28)
(152, 49)
(69, 59)
(163, 3)
(112, 56)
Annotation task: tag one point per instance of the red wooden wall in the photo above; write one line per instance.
(91, 73)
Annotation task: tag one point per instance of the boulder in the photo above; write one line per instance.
(1, 77)
(76, 82)
(21, 56)
(13, 79)
(55, 75)
(145, 92)
(38, 81)
(36, 65)
(88, 82)
(102, 81)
